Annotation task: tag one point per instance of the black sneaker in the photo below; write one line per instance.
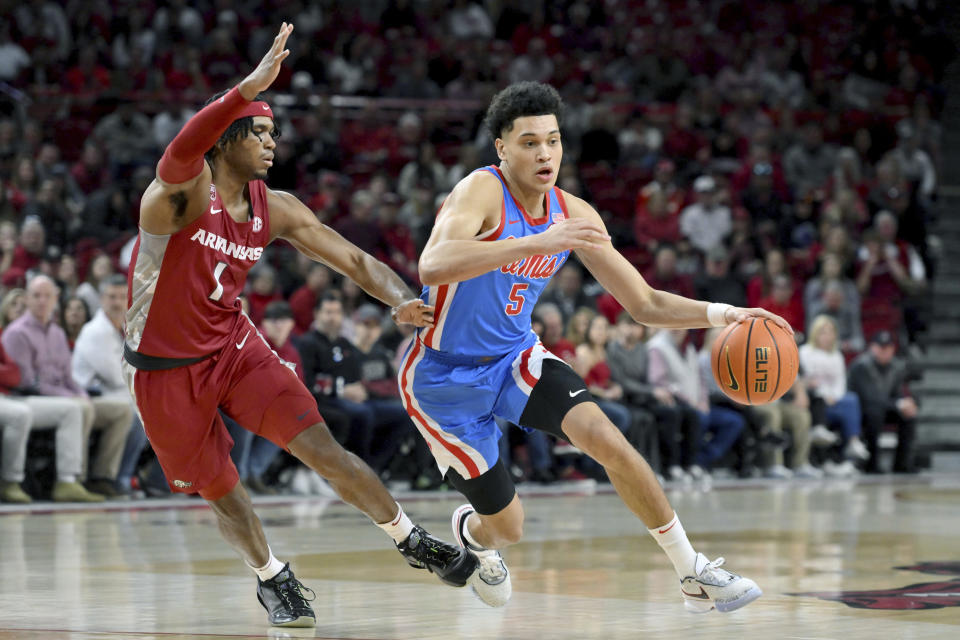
(453, 564)
(283, 599)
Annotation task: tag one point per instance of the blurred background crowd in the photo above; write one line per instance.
(783, 155)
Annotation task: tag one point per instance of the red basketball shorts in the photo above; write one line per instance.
(179, 409)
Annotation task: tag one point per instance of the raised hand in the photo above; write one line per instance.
(573, 233)
(266, 72)
(413, 312)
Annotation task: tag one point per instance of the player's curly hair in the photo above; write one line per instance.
(237, 130)
(522, 99)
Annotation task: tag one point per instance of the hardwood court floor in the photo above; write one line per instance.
(586, 568)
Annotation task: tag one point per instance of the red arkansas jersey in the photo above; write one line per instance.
(182, 300)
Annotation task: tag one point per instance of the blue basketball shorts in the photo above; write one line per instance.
(452, 400)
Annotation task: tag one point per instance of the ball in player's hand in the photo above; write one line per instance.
(755, 361)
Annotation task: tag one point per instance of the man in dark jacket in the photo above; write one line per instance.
(879, 378)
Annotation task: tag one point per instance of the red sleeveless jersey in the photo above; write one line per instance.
(182, 298)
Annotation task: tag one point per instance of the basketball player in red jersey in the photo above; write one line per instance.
(190, 350)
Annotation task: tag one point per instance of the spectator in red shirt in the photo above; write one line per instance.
(31, 247)
(87, 75)
(398, 248)
(90, 172)
(263, 290)
(305, 298)
(783, 301)
(663, 274)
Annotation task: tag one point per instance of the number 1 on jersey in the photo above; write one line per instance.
(516, 300)
(217, 272)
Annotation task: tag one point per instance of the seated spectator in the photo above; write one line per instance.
(591, 365)
(305, 298)
(879, 379)
(21, 410)
(809, 163)
(126, 136)
(39, 347)
(30, 248)
(426, 164)
(784, 302)
(263, 290)
(760, 198)
(628, 362)
(760, 286)
(655, 225)
(914, 163)
(833, 303)
(98, 270)
(566, 290)
(678, 372)
(96, 367)
(706, 222)
(379, 380)
(792, 411)
(831, 269)
(331, 366)
(716, 283)
(12, 307)
(889, 272)
(664, 275)
(73, 316)
(579, 325)
(824, 373)
(398, 247)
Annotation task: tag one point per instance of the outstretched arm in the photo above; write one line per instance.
(291, 220)
(453, 252)
(647, 305)
(179, 194)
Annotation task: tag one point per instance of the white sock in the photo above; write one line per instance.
(673, 540)
(68, 478)
(399, 528)
(269, 570)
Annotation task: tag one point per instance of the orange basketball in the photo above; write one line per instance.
(754, 362)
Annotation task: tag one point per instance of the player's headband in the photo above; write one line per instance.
(256, 109)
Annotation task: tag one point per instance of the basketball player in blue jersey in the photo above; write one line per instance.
(499, 237)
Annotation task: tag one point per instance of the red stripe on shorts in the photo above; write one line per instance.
(525, 368)
(461, 455)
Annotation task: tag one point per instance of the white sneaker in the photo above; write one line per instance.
(699, 473)
(677, 474)
(843, 470)
(300, 484)
(820, 436)
(856, 449)
(807, 471)
(491, 580)
(320, 487)
(778, 472)
(716, 588)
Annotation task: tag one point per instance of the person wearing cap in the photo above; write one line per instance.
(880, 378)
(391, 424)
(706, 222)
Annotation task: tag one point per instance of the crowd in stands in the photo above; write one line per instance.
(783, 155)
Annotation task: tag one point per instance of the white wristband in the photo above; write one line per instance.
(717, 314)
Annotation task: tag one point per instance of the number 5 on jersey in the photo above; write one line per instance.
(516, 300)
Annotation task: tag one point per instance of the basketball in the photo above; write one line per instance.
(754, 362)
